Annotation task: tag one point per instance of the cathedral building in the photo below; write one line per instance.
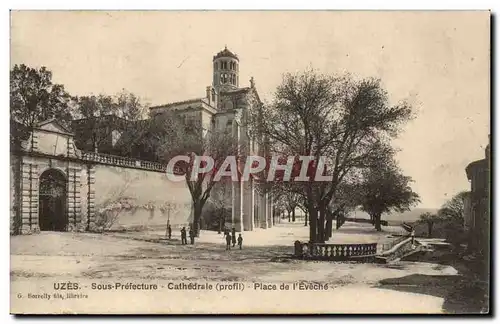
(226, 106)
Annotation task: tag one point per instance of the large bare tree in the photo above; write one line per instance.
(349, 122)
(189, 138)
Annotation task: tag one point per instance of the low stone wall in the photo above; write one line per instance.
(399, 250)
(334, 252)
(388, 246)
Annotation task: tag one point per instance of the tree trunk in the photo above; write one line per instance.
(378, 227)
(196, 219)
(293, 215)
(321, 224)
(221, 222)
(313, 220)
(328, 228)
(338, 222)
(305, 218)
(289, 216)
(430, 225)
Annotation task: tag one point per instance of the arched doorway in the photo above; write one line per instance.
(52, 203)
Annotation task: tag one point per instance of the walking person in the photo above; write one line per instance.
(183, 236)
(228, 241)
(169, 231)
(240, 241)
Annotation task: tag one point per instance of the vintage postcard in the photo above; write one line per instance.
(250, 162)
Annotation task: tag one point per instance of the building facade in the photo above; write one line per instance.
(477, 206)
(227, 106)
(54, 186)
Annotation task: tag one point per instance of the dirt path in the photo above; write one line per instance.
(40, 261)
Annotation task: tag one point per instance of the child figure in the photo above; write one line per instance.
(240, 241)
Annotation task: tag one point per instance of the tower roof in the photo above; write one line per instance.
(226, 53)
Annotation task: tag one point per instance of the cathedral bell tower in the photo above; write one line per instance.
(226, 71)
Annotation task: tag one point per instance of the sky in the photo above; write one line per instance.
(438, 61)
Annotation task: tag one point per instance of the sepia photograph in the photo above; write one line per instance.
(169, 162)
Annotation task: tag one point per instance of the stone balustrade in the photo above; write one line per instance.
(334, 252)
(399, 250)
(389, 245)
(123, 161)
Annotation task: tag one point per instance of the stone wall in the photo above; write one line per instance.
(147, 198)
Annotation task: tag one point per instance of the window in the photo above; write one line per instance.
(223, 78)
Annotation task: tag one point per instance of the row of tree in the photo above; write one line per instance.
(450, 217)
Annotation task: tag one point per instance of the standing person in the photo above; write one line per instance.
(233, 236)
(169, 231)
(191, 235)
(233, 239)
(240, 241)
(183, 236)
(226, 231)
(228, 241)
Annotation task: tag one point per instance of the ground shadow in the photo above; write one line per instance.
(463, 293)
(460, 294)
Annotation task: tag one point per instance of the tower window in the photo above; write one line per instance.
(223, 78)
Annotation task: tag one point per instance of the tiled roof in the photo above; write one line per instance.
(226, 53)
(177, 103)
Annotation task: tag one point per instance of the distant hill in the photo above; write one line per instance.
(397, 218)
